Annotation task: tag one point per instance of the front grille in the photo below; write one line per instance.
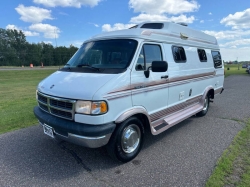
(42, 99)
(44, 107)
(59, 107)
(61, 113)
(61, 104)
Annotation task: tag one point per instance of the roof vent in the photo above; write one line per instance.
(152, 26)
(183, 24)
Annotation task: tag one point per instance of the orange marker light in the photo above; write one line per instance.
(103, 107)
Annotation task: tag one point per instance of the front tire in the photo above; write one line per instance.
(205, 107)
(127, 140)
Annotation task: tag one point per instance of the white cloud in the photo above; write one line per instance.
(233, 44)
(210, 13)
(160, 11)
(232, 54)
(164, 6)
(30, 33)
(228, 35)
(68, 3)
(241, 42)
(26, 33)
(12, 27)
(149, 17)
(48, 42)
(201, 21)
(117, 26)
(239, 20)
(49, 31)
(33, 14)
(96, 25)
(63, 13)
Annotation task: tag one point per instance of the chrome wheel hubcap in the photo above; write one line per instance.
(205, 104)
(131, 137)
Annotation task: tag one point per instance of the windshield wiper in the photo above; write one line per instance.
(87, 65)
(68, 66)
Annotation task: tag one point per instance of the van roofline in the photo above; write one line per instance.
(170, 33)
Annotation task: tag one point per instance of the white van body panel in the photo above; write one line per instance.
(74, 85)
(161, 100)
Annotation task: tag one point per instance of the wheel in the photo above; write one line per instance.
(205, 107)
(127, 140)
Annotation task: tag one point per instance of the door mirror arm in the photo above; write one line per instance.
(146, 73)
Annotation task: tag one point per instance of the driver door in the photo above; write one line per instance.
(152, 92)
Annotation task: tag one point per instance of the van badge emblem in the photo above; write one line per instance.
(52, 86)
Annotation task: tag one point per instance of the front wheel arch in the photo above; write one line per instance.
(127, 140)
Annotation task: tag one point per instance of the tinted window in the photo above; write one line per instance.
(202, 55)
(152, 26)
(217, 59)
(148, 54)
(179, 54)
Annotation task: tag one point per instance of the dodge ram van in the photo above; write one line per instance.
(153, 75)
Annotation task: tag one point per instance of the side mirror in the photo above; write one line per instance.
(159, 66)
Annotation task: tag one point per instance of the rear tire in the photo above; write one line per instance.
(127, 140)
(205, 107)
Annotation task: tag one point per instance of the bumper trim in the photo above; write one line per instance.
(86, 135)
(91, 142)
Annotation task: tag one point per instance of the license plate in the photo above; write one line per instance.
(48, 130)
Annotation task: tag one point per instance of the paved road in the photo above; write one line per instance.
(185, 155)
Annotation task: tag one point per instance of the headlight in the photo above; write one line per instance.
(88, 107)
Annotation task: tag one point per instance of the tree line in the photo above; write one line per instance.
(16, 51)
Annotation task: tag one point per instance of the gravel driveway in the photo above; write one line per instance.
(185, 155)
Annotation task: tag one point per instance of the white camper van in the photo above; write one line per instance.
(153, 75)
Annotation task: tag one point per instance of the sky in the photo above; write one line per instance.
(66, 22)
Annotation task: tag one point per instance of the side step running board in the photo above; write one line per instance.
(171, 120)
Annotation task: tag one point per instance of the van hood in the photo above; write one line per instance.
(74, 85)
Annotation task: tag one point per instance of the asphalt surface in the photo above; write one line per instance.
(185, 155)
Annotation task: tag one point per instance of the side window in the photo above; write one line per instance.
(148, 54)
(217, 59)
(179, 54)
(202, 55)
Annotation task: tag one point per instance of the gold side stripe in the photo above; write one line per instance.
(155, 85)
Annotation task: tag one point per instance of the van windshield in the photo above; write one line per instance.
(104, 56)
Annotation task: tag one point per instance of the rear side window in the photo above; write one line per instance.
(217, 59)
(179, 54)
(202, 55)
(148, 54)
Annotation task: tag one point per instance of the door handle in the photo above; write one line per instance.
(164, 77)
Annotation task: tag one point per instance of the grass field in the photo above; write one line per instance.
(17, 98)
(233, 168)
(233, 69)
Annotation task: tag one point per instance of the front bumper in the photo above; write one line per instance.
(86, 135)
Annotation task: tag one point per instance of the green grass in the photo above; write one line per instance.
(17, 98)
(234, 70)
(234, 165)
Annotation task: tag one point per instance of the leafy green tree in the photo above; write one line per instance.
(16, 51)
